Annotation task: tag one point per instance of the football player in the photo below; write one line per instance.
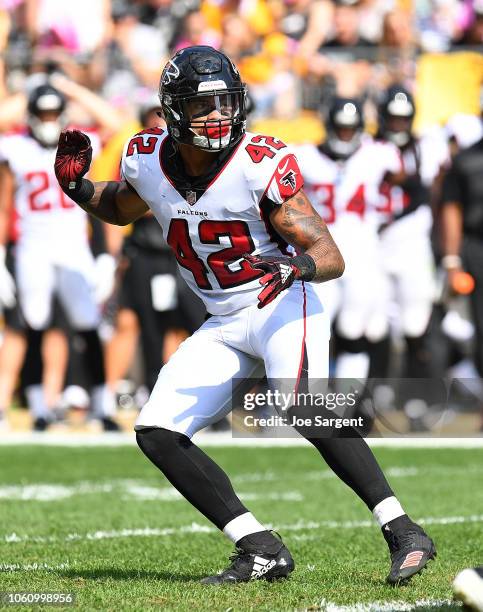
(406, 251)
(343, 176)
(52, 253)
(229, 202)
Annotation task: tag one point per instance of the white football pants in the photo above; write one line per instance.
(69, 273)
(289, 338)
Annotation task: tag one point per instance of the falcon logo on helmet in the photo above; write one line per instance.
(170, 72)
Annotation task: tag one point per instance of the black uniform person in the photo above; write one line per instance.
(462, 230)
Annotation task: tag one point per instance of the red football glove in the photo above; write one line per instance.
(280, 273)
(73, 158)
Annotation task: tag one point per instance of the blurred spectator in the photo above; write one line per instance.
(372, 13)
(303, 21)
(166, 16)
(133, 58)
(256, 13)
(78, 27)
(440, 22)
(397, 31)
(264, 65)
(346, 26)
(195, 31)
(474, 33)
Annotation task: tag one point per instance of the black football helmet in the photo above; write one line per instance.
(196, 82)
(344, 126)
(46, 114)
(396, 115)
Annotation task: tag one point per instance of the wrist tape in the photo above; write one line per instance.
(82, 192)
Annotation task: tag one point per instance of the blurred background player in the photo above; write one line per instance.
(53, 255)
(343, 175)
(406, 251)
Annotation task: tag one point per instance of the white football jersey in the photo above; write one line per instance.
(45, 214)
(427, 157)
(340, 187)
(210, 234)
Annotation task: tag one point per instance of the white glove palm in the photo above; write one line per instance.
(7, 284)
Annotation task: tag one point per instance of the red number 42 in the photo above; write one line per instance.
(263, 146)
(210, 232)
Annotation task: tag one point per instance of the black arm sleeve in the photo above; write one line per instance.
(453, 185)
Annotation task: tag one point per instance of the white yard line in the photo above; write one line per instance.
(125, 488)
(147, 490)
(219, 439)
(387, 606)
(196, 528)
(32, 567)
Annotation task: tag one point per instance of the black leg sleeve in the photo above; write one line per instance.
(32, 369)
(197, 477)
(354, 463)
(93, 357)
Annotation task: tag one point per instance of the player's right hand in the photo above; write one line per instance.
(73, 158)
(7, 284)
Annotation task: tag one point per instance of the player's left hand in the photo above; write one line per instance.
(279, 275)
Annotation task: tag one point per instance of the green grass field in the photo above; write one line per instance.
(102, 523)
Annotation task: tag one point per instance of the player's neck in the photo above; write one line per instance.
(196, 161)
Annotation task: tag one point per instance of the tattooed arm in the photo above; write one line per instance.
(114, 202)
(300, 225)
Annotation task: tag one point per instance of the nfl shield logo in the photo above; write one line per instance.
(191, 197)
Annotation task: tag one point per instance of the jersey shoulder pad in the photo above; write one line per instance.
(271, 168)
(138, 150)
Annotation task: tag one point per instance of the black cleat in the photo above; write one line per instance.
(110, 425)
(40, 424)
(410, 552)
(247, 566)
(468, 588)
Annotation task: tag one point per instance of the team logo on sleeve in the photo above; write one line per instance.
(289, 179)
